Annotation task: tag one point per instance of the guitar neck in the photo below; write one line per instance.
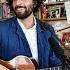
(52, 68)
(6, 64)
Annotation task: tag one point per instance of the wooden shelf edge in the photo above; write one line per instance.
(54, 3)
(64, 28)
(54, 19)
(65, 48)
(3, 2)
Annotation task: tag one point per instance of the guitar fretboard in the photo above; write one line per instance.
(52, 68)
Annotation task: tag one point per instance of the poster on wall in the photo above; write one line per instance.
(67, 7)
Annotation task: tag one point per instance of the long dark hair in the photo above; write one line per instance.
(37, 2)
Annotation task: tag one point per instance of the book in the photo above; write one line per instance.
(66, 40)
(44, 11)
(6, 10)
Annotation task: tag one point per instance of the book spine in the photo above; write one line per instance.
(6, 10)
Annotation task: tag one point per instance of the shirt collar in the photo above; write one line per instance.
(22, 26)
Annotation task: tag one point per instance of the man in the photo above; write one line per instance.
(25, 35)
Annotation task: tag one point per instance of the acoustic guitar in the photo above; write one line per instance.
(12, 64)
(15, 62)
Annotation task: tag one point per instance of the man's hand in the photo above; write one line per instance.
(22, 63)
(27, 66)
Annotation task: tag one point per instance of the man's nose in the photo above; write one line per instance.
(19, 2)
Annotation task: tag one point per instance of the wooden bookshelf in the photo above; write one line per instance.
(57, 20)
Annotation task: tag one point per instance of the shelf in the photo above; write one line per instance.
(54, 3)
(65, 26)
(54, 19)
(3, 2)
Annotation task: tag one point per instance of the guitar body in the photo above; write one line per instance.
(22, 63)
(19, 62)
(3, 67)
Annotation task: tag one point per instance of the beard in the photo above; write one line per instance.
(23, 12)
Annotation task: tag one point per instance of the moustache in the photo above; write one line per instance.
(20, 7)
